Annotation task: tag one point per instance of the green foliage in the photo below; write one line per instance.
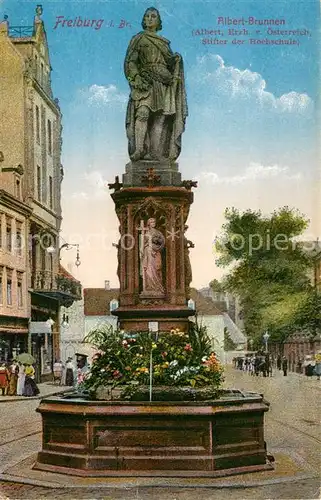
(216, 286)
(308, 315)
(228, 342)
(199, 339)
(179, 359)
(268, 269)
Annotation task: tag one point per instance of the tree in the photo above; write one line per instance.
(216, 286)
(229, 345)
(268, 269)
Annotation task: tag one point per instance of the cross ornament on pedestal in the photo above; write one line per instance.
(116, 185)
(151, 178)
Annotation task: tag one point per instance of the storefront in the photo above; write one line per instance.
(42, 349)
(13, 337)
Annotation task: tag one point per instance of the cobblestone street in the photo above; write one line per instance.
(292, 431)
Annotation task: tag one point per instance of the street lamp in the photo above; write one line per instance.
(65, 321)
(266, 337)
(67, 246)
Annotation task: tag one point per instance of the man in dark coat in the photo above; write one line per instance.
(285, 366)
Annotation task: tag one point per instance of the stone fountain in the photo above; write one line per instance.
(160, 438)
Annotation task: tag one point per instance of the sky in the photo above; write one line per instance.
(252, 134)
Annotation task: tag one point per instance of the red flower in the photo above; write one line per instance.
(117, 374)
(188, 347)
(164, 354)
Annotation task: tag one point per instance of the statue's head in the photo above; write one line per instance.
(151, 222)
(152, 15)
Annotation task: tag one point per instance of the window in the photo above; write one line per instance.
(43, 259)
(42, 75)
(18, 238)
(49, 137)
(9, 291)
(37, 125)
(1, 285)
(38, 183)
(36, 66)
(9, 236)
(44, 185)
(20, 289)
(50, 192)
(18, 189)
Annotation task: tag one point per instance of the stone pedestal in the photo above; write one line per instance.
(169, 206)
(101, 438)
(166, 171)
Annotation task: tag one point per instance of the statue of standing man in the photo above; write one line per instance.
(157, 106)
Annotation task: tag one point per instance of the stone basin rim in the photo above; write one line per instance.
(225, 401)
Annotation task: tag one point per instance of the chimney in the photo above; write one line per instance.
(107, 285)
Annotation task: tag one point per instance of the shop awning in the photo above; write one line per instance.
(13, 330)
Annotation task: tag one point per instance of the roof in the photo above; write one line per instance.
(66, 274)
(97, 300)
(233, 330)
(204, 305)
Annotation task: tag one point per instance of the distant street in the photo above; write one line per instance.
(292, 432)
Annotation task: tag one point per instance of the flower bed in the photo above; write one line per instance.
(177, 359)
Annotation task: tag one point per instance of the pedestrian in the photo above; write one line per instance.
(82, 368)
(13, 378)
(31, 388)
(268, 365)
(21, 379)
(70, 368)
(252, 365)
(308, 365)
(285, 366)
(279, 362)
(299, 365)
(318, 364)
(57, 371)
(4, 378)
(257, 363)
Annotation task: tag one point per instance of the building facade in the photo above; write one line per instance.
(31, 173)
(14, 303)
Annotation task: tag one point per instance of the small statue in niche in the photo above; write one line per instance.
(152, 243)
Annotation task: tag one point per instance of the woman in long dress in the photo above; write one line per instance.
(13, 379)
(151, 259)
(30, 388)
(4, 378)
(21, 380)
